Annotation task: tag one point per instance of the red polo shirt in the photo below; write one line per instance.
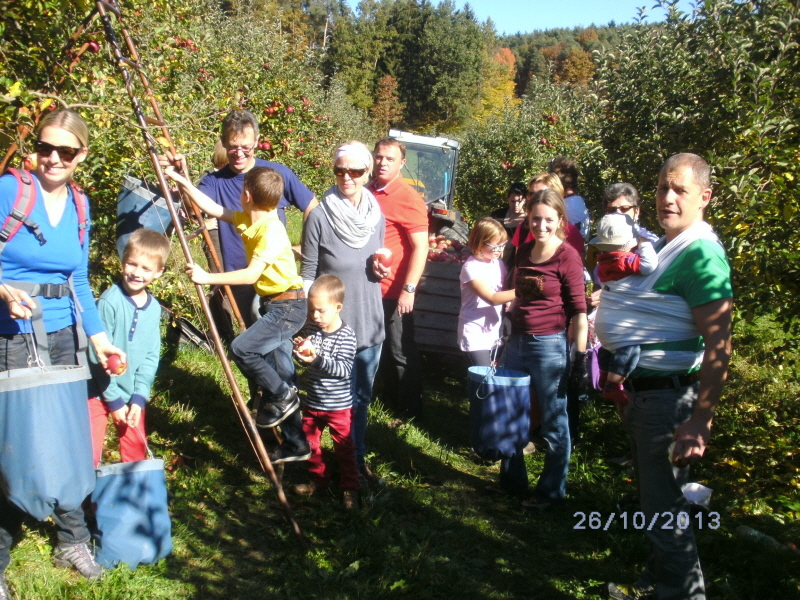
(405, 213)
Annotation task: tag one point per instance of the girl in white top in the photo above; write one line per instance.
(482, 295)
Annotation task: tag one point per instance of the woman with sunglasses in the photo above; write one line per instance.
(340, 238)
(61, 145)
(618, 198)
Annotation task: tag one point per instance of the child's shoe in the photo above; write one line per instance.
(616, 394)
(274, 413)
(350, 500)
(282, 454)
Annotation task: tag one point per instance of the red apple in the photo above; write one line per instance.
(306, 348)
(115, 364)
(384, 256)
(93, 46)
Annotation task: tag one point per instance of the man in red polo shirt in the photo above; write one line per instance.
(407, 237)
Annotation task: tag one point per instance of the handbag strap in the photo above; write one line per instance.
(40, 346)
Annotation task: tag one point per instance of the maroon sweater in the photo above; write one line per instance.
(549, 294)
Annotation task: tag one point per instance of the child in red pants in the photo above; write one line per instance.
(328, 347)
(132, 317)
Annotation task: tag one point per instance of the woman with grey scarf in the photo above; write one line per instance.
(340, 237)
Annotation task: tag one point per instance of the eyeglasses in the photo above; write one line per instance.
(243, 149)
(65, 153)
(498, 248)
(354, 173)
(610, 210)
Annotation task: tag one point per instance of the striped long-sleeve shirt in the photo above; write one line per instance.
(328, 377)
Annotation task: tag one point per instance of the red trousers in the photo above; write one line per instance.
(339, 422)
(132, 445)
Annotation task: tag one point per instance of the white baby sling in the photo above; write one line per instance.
(631, 313)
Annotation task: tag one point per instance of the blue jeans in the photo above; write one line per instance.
(263, 352)
(70, 526)
(650, 420)
(361, 379)
(621, 362)
(545, 359)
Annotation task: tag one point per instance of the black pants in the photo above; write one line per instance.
(400, 368)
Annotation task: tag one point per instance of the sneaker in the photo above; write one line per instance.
(307, 489)
(367, 478)
(80, 557)
(274, 413)
(536, 504)
(281, 454)
(350, 499)
(636, 591)
(5, 593)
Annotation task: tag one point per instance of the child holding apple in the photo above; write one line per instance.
(132, 317)
(327, 346)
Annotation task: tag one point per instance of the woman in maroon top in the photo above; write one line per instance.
(550, 297)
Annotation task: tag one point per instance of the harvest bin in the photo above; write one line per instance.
(436, 306)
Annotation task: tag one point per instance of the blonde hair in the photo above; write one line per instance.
(68, 120)
(550, 180)
(148, 242)
(219, 157)
(485, 230)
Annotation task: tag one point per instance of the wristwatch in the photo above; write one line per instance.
(409, 288)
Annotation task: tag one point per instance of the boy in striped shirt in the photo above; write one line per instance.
(327, 346)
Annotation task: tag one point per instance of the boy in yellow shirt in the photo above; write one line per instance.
(264, 351)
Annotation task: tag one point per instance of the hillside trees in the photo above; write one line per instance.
(437, 55)
(726, 85)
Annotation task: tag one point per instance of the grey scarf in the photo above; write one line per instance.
(353, 225)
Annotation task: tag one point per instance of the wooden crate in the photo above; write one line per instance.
(436, 306)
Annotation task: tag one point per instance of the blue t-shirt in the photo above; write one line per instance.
(24, 259)
(225, 188)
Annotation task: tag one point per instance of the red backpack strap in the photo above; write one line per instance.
(81, 207)
(20, 212)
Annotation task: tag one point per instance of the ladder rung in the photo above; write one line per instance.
(154, 122)
(110, 6)
(130, 63)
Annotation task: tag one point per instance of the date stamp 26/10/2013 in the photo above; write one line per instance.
(595, 520)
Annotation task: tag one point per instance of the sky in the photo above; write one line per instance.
(525, 16)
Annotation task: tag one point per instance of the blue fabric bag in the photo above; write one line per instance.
(499, 411)
(130, 505)
(45, 438)
(141, 204)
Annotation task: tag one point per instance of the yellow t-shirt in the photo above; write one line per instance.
(266, 240)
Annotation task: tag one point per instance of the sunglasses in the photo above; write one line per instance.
(65, 153)
(498, 248)
(354, 173)
(610, 210)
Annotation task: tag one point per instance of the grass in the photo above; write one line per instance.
(432, 532)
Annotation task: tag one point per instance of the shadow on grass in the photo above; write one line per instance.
(429, 533)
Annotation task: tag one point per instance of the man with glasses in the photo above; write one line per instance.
(407, 237)
(239, 136)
